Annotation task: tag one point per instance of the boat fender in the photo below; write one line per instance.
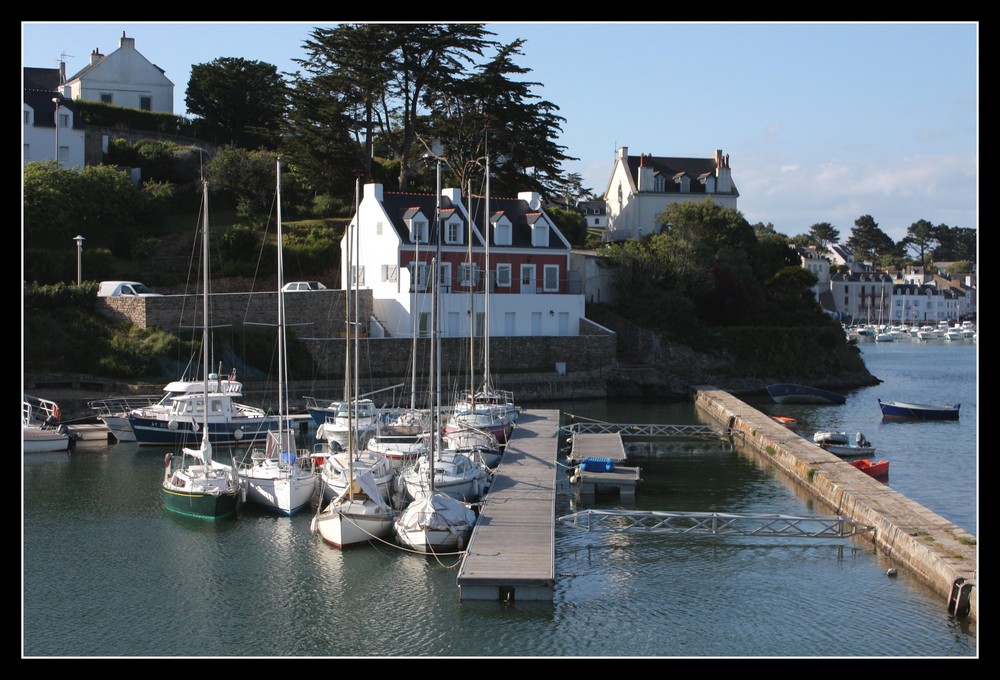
(238, 435)
(56, 413)
(172, 425)
(167, 458)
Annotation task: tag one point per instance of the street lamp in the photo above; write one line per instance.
(57, 101)
(79, 259)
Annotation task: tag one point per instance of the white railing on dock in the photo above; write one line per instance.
(715, 523)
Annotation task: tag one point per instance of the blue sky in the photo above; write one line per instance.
(823, 122)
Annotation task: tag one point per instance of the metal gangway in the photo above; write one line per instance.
(715, 523)
(650, 430)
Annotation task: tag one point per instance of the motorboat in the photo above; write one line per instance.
(840, 444)
(40, 428)
(902, 410)
(879, 470)
(789, 393)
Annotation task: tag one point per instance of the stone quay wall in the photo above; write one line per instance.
(938, 552)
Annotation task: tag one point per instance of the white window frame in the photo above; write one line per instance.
(418, 276)
(390, 272)
(502, 234)
(468, 274)
(540, 234)
(444, 276)
(550, 278)
(453, 232)
(503, 276)
(527, 279)
(418, 231)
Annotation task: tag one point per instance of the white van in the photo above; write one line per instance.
(114, 288)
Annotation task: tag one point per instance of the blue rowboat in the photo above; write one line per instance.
(909, 411)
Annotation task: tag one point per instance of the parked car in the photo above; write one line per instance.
(115, 288)
(303, 285)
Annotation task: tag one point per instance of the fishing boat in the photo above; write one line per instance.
(879, 470)
(902, 410)
(790, 393)
(275, 477)
(197, 485)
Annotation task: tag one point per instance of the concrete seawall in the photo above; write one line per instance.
(939, 553)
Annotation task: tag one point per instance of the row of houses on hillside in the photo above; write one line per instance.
(860, 294)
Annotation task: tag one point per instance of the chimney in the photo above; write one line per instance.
(126, 42)
(724, 184)
(623, 152)
(96, 56)
(645, 173)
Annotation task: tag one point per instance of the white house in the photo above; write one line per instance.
(641, 187)
(392, 243)
(865, 298)
(123, 78)
(52, 130)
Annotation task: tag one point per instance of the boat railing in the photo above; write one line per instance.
(113, 405)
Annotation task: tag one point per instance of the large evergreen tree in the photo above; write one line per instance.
(868, 242)
(239, 101)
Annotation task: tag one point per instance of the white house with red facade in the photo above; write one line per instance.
(391, 244)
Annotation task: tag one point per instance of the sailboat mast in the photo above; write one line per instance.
(488, 284)
(437, 302)
(472, 313)
(206, 444)
(357, 302)
(347, 369)
(281, 319)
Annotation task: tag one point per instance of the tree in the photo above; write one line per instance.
(920, 238)
(955, 243)
(384, 75)
(824, 233)
(248, 177)
(240, 101)
(491, 113)
(868, 242)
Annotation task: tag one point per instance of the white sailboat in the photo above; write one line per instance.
(436, 523)
(486, 408)
(360, 513)
(198, 486)
(275, 477)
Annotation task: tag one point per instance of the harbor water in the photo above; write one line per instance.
(107, 572)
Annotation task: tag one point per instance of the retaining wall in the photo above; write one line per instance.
(938, 552)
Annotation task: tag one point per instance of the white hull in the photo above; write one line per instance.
(349, 522)
(438, 524)
(334, 477)
(37, 440)
(285, 492)
(119, 427)
(89, 432)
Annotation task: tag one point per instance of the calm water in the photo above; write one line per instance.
(108, 573)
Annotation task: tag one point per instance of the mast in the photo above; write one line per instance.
(488, 284)
(347, 370)
(434, 321)
(472, 313)
(206, 445)
(281, 322)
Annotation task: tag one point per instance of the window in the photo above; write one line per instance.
(146, 103)
(63, 154)
(660, 184)
(27, 117)
(64, 120)
(358, 276)
(107, 98)
(540, 234)
(467, 274)
(419, 280)
(444, 276)
(390, 272)
(503, 275)
(419, 231)
(551, 277)
(453, 233)
(501, 234)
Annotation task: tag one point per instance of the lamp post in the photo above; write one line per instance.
(79, 259)
(57, 101)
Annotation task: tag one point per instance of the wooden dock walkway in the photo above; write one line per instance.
(511, 554)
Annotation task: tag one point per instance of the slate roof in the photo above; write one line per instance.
(40, 86)
(399, 207)
(671, 167)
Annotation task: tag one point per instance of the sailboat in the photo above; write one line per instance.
(435, 523)
(197, 485)
(487, 408)
(275, 477)
(360, 513)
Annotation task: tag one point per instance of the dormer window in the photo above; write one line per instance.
(502, 233)
(453, 232)
(539, 231)
(659, 184)
(418, 231)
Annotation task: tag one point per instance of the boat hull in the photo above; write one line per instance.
(284, 495)
(353, 522)
(879, 470)
(898, 410)
(162, 432)
(786, 393)
(201, 505)
(38, 440)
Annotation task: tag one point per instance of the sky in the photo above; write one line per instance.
(823, 122)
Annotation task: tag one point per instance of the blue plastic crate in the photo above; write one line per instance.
(597, 465)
